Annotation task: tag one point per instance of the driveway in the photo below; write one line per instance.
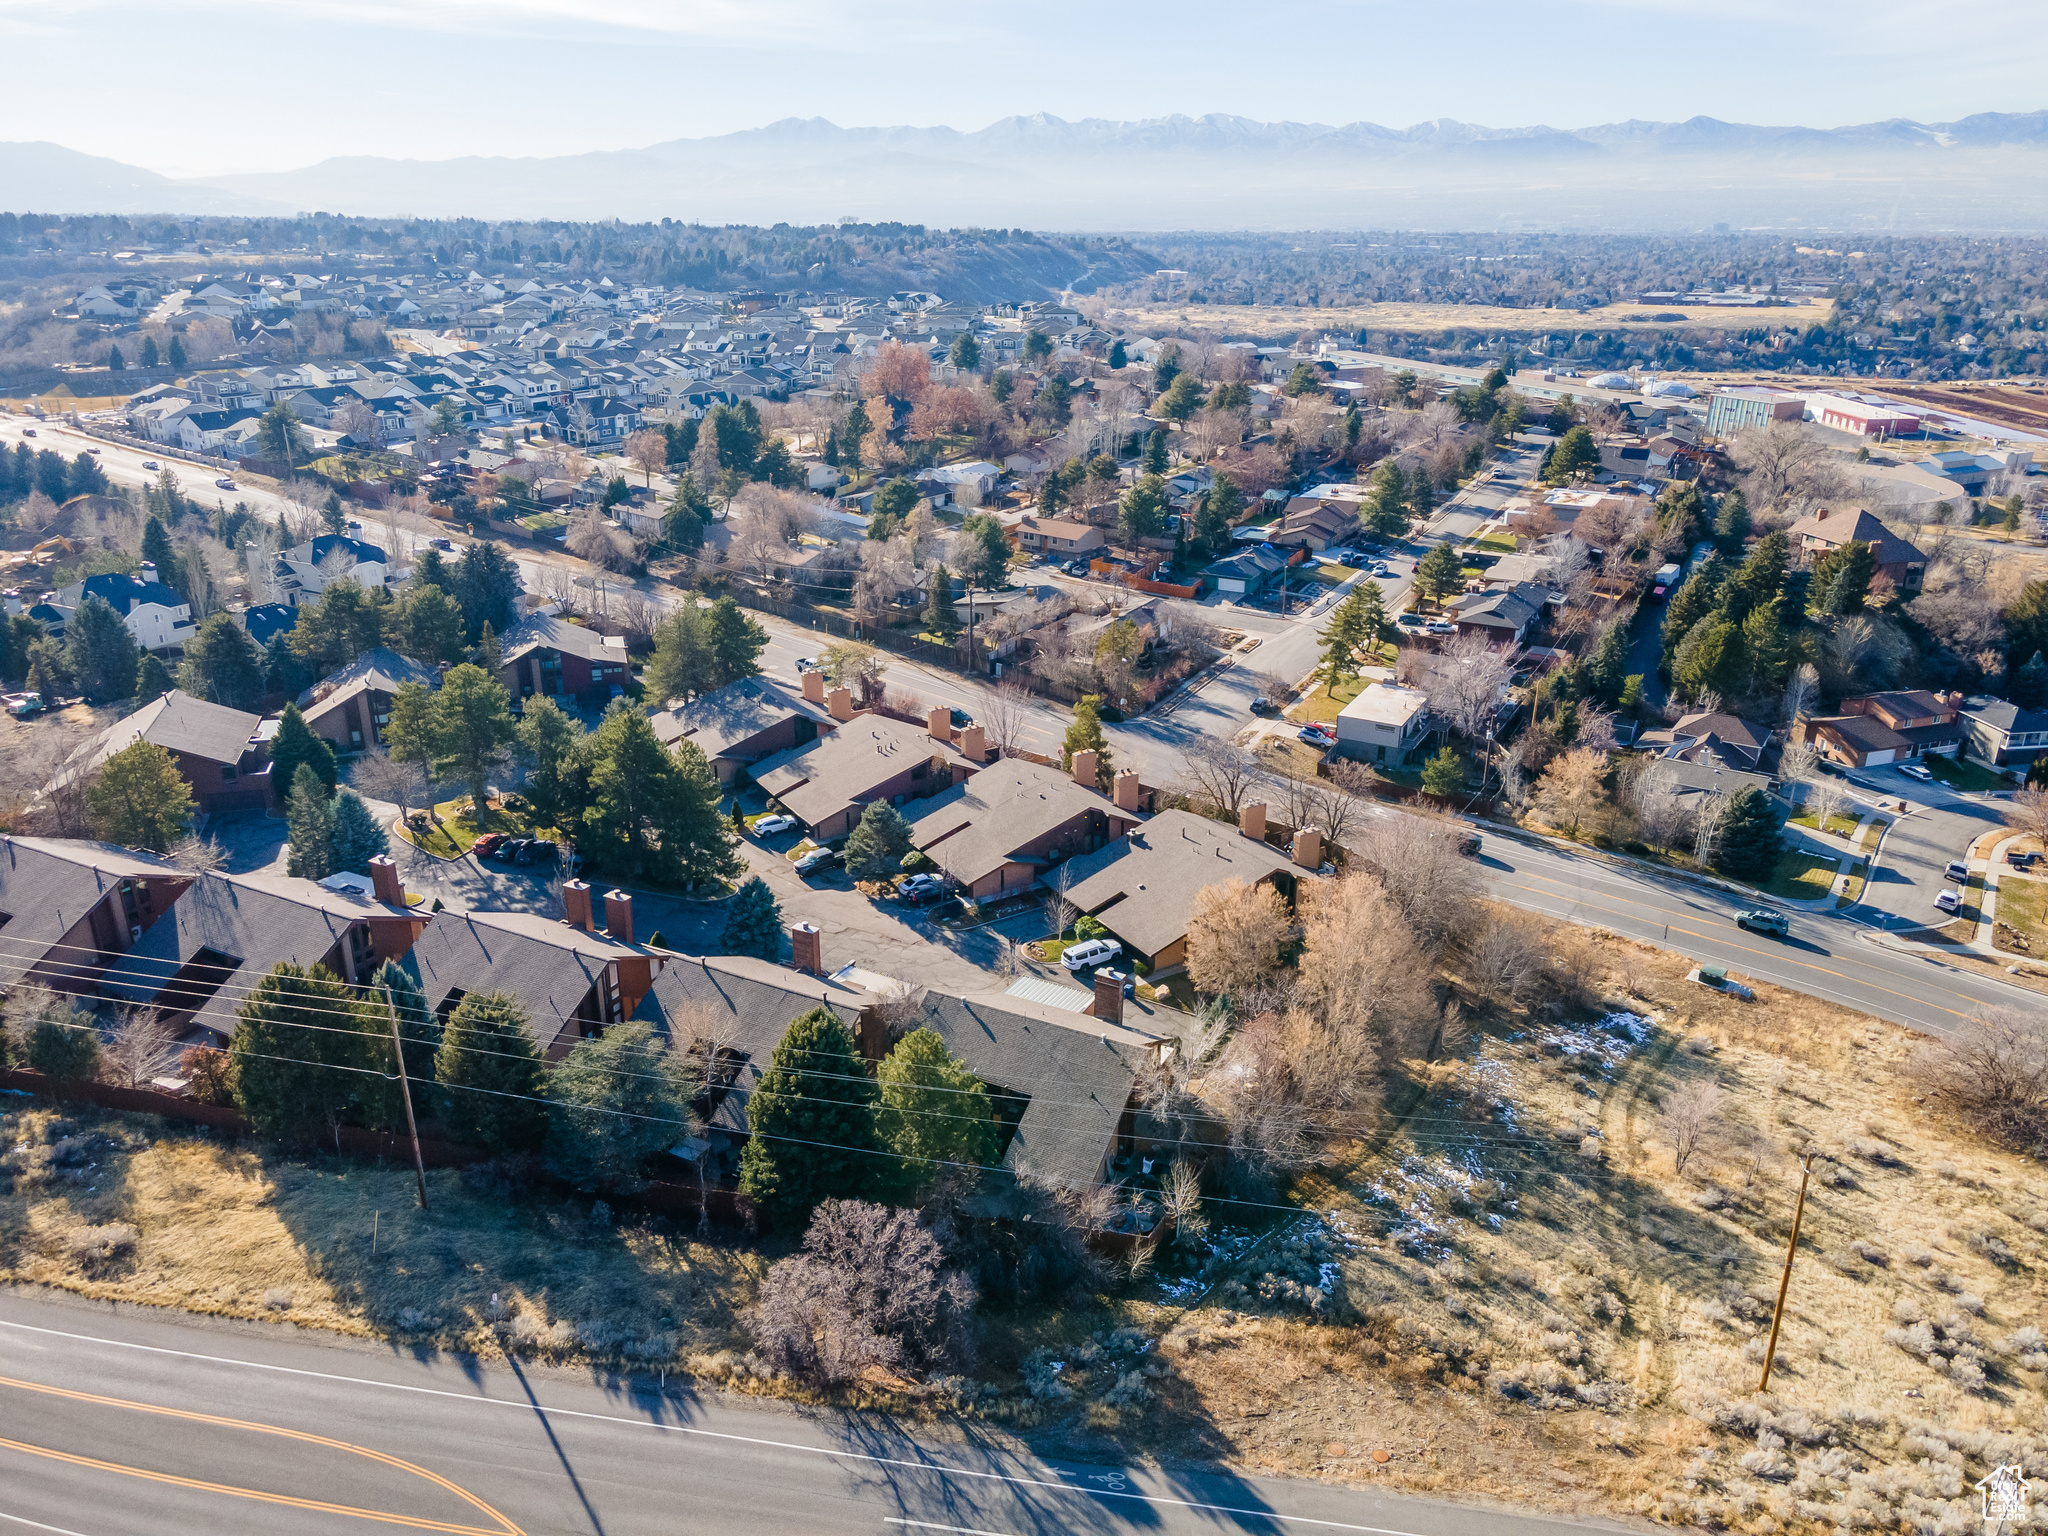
(1939, 826)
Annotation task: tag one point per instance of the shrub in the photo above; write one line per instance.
(209, 1075)
(1993, 1073)
(94, 1248)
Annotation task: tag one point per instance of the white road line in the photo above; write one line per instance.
(37, 1525)
(926, 1525)
(544, 1411)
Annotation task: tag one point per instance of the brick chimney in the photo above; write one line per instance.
(1108, 1006)
(1251, 820)
(1308, 848)
(807, 949)
(576, 902)
(384, 880)
(814, 687)
(1126, 789)
(1084, 767)
(974, 744)
(938, 723)
(618, 916)
(840, 702)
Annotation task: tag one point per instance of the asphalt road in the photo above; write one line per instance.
(123, 465)
(1939, 827)
(126, 1422)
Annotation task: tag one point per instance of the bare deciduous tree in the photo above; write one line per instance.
(1235, 931)
(1691, 1118)
(140, 1047)
(1364, 974)
(200, 855)
(593, 538)
(1004, 709)
(1504, 959)
(1994, 1073)
(648, 451)
(379, 776)
(1060, 910)
(1415, 857)
(1221, 774)
(2027, 811)
(1573, 791)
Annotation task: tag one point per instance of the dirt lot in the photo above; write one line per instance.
(1512, 1294)
(1263, 322)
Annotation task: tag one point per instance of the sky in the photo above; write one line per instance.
(200, 87)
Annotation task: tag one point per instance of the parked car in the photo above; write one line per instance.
(2019, 860)
(539, 851)
(226, 484)
(1411, 621)
(442, 544)
(815, 860)
(1317, 735)
(1764, 920)
(1957, 871)
(806, 664)
(1090, 953)
(1441, 627)
(511, 848)
(1915, 771)
(1949, 900)
(1076, 567)
(488, 845)
(23, 705)
(768, 826)
(927, 882)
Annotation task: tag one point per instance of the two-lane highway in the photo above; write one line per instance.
(120, 1422)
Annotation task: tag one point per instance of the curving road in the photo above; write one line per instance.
(124, 1422)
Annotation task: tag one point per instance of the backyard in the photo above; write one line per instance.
(454, 826)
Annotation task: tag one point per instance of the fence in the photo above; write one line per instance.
(158, 450)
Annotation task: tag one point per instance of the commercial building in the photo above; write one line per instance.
(1861, 417)
(1741, 410)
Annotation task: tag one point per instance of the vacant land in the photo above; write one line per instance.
(1265, 322)
(1513, 1292)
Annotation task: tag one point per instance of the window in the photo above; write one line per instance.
(227, 773)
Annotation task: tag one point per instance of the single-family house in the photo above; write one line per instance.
(745, 721)
(1247, 574)
(571, 980)
(156, 615)
(306, 570)
(1005, 827)
(1386, 723)
(1503, 615)
(1319, 522)
(69, 909)
(1999, 732)
(352, 707)
(1056, 536)
(224, 933)
(1881, 728)
(1709, 737)
(828, 783)
(266, 621)
(1826, 530)
(1143, 886)
(548, 656)
(216, 749)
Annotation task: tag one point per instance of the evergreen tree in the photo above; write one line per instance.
(1085, 735)
(1570, 457)
(620, 1098)
(1693, 601)
(306, 1051)
(1444, 773)
(1164, 372)
(1141, 511)
(428, 626)
(489, 654)
(1683, 507)
(551, 741)
(355, 835)
(1386, 509)
(1750, 839)
(1731, 522)
(177, 351)
(114, 363)
(753, 922)
(1602, 672)
(683, 524)
(149, 352)
(2029, 686)
(1439, 573)
(412, 734)
(812, 1118)
(1052, 496)
(1359, 620)
(1632, 692)
(1182, 399)
(222, 664)
(472, 727)
(984, 553)
(296, 744)
(432, 571)
(417, 1027)
(486, 588)
(102, 653)
(156, 549)
(1766, 649)
(309, 820)
(732, 644)
(332, 514)
(1759, 580)
(49, 674)
(154, 680)
(877, 845)
(1710, 660)
(940, 616)
(1421, 496)
(140, 800)
(1155, 453)
(490, 1076)
(1354, 424)
(932, 1112)
(17, 634)
(681, 664)
(1118, 358)
(1842, 577)
(1215, 512)
(653, 811)
(965, 353)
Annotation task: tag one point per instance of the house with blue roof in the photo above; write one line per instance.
(156, 615)
(307, 570)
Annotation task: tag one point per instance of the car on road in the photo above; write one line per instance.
(1441, 627)
(442, 544)
(1090, 953)
(1764, 920)
(1381, 568)
(806, 664)
(1957, 871)
(1949, 900)
(1915, 771)
(226, 484)
(1414, 623)
(93, 451)
(28, 431)
(815, 860)
(487, 846)
(151, 464)
(1265, 707)
(1316, 736)
(768, 826)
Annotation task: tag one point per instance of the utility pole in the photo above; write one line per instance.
(1785, 1281)
(419, 1167)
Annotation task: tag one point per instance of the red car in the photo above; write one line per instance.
(487, 845)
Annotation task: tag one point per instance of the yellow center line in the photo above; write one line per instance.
(1578, 894)
(505, 1526)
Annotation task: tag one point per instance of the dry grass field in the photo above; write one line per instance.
(1513, 1293)
(1273, 323)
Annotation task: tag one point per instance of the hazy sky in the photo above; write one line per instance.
(192, 87)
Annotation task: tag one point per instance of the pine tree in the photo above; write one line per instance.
(733, 644)
(417, 1027)
(753, 922)
(1155, 453)
(472, 727)
(1439, 573)
(1842, 577)
(306, 1051)
(1421, 496)
(1692, 602)
(140, 800)
(177, 351)
(222, 664)
(154, 680)
(812, 1118)
(551, 742)
(489, 654)
(1710, 660)
(940, 616)
(114, 362)
(49, 673)
(1085, 735)
(1759, 580)
(1141, 511)
(877, 845)
(2029, 686)
(1360, 621)
(309, 820)
(332, 514)
(1117, 356)
(1444, 773)
(1731, 522)
(149, 352)
(1750, 840)
(102, 654)
(296, 744)
(156, 549)
(1766, 649)
(681, 663)
(1602, 672)
(490, 1076)
(356, 836)
(932, 1112)
(620, 1098)
(1052, 496)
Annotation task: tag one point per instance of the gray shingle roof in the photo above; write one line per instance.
(735, 713)
(178, 722)
(47, 885)
(973, 829)
(545, 630)
(844, 768)
(547, 965)
(1142, 887)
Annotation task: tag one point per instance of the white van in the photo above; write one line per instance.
(1091, 952)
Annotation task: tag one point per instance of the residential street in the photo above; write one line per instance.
(129, 1422)
(1939, 828)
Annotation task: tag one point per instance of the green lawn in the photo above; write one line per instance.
(450, 835)
(1838, 823)
(1495, 543)
(1319, 703)
(545, 522)
(1802, 876)
(1961, 773)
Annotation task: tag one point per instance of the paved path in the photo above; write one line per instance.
(129, 1422)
